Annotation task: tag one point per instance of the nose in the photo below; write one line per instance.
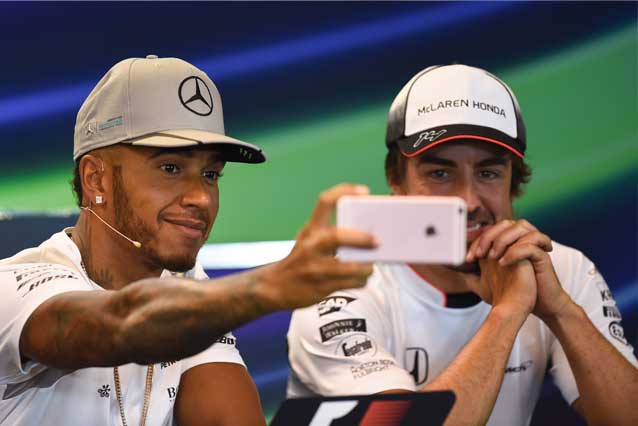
(468, 191)
(197, 193)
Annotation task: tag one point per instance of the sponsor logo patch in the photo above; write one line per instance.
(333, 304)
(28, 279)
(520, 368)
(113, 122)
(166, 364)
(417, 364)
(357, 345)
(195, 95)
(104, 391)
(336, 328)
(226, 340)
(611, 312)
(172, 393)
(606, 295)
(369, 367)
(430, 136)
(617, 332)
(461, 103)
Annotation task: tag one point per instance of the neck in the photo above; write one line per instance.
(444, 278)
(109, 260)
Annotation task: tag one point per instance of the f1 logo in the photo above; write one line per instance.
(332, 410)
(379, 413)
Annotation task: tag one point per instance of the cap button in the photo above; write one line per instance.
(151, 57)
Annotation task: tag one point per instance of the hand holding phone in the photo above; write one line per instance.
(411, 229)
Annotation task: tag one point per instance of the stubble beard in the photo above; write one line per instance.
(134, 227)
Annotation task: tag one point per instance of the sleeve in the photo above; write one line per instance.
(589, 290)
(223, 350)
(341, 346)
(23, 288)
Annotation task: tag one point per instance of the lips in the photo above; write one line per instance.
(191, 228)
(474, 230)
(474, 227)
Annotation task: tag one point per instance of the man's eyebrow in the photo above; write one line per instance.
(167, 151)
(433, 159)
(493, 161)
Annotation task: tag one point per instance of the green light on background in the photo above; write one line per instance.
(580, 108)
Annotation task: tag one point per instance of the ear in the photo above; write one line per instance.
(93, 180)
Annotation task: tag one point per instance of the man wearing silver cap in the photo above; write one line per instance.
(106, 323)
(457, 131)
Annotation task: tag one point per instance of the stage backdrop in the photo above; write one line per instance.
(311, 83)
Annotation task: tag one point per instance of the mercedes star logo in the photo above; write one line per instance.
(195, 99)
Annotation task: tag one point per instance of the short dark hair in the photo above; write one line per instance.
(395, 170)
(76, 183)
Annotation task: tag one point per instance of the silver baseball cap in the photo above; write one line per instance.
(158, 102)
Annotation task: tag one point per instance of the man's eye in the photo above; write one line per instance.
(212, 175)
(170, 168)
(439, 174)
(488, 174)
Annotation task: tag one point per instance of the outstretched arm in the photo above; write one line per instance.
(163, 319)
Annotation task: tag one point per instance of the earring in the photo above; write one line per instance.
(98, 199)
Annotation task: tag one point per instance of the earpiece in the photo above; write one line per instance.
(89, 209)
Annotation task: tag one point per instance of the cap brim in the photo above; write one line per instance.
(234, 149)
(413, 145)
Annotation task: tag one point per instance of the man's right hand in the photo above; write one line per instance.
(511, 287)
(311, 272)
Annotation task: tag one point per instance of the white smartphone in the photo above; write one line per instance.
(411, 229)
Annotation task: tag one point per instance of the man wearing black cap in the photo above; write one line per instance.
(106, 323)
(457, 131)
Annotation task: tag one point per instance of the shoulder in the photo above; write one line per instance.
(26, 277)
(563, 255)
(570, 263)
(362, 310)
(579, 276)
(224, 350)
(59, 250)
(37, 273)
(366, 300)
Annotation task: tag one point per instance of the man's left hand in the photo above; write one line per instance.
(511, 241)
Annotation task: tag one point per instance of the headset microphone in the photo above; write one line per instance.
(135, 243)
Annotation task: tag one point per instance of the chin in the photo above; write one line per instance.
(178, 264)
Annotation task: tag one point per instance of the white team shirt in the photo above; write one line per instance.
(396, 333)
(33, 394)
